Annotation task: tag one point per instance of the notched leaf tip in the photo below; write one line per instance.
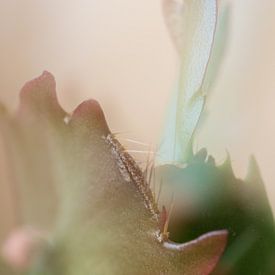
(90, 113)
(39, 96)
(202, 253)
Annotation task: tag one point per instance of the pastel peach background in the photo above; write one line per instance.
(118, 52)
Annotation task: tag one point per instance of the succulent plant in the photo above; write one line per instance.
(76, 182)
(84, 206)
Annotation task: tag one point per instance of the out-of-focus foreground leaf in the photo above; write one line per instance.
(73, 181)
(210, 196)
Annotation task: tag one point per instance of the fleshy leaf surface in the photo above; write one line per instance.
(74, 181)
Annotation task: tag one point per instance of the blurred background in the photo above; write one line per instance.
(119, 52)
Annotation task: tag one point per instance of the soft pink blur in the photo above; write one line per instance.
(20, 247)
(119, 52)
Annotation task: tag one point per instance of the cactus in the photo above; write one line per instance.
(84, 206)
(76, 183)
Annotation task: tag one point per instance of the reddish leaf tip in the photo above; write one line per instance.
(45, 80)
(91, 114)
(204, 252)
(216, 236)
(39, 95)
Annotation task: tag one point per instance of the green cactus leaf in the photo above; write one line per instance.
(209, 197)
(75, 183)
